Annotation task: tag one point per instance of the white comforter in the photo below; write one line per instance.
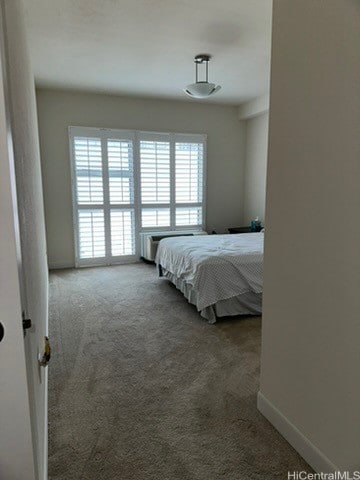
(218, 267)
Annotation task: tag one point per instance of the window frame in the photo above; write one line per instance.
(136, 136)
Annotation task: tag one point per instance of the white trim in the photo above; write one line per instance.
(153, 136)
(314, 457)
(60, 265)
(168, 229)
(46, 429)
(117, 261)
(122, 260)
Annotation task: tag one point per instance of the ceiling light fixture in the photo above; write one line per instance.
(201, 88)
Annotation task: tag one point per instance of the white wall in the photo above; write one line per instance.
(310, 380)
(31, 217)
(59, 109)
(253, 108)
(256, 143)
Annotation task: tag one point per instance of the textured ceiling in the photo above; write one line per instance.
(146, 47)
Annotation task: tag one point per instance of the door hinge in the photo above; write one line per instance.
(26, 323)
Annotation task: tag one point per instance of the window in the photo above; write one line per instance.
(125, 182)
(155, 181)
(189, 158)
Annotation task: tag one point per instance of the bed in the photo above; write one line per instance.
(220, 274)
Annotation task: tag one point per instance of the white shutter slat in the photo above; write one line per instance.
(121, 171)
(154, 172)
(91, 233)
(88, 170)
(188, 216)
(122, 232)
(121, 191)
(155, 217)
(189, 159)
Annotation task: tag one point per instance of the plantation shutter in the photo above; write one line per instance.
(121, 196)
(189, 181)
(103, 185)
(155, 182)
(125, 182)
(89, 197)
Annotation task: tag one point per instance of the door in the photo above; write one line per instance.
(23, 260)
(16, 444)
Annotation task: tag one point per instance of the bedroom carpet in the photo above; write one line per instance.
(142, 388)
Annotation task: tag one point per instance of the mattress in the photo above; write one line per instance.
(215, 268)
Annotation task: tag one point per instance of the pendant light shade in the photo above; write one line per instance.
(202, 88)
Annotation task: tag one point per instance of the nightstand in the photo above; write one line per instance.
(243, 230)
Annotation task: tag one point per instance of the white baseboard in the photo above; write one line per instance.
(313, 456)
(60, 265)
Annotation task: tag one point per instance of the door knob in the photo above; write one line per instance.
(44, 358)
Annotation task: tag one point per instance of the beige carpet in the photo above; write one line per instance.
(142, 388)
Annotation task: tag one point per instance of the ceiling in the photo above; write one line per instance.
(146, 47)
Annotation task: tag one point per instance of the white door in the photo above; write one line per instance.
(16, 443)
(23, 265)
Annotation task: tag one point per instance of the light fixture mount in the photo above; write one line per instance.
(202, 57)
(201, 88)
